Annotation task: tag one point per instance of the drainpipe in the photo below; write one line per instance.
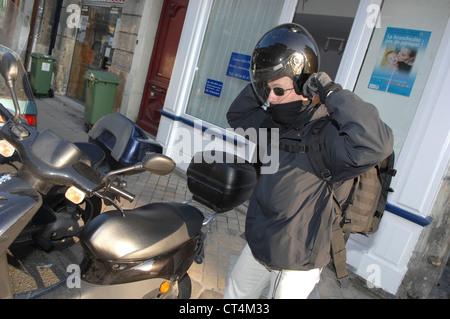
(36, 28)
(55, 26)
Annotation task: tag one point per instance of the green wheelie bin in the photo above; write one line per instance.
(41, 73)
(100, 94)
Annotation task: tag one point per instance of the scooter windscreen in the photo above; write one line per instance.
(14, 32)
(58, 161)
(55, 151)
(14, 28)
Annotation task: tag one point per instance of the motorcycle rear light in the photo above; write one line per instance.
(31, 119)
(75, 195)
(6, 149)
(165, 286)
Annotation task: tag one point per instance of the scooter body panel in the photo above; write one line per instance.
(171, 266)
(18, 204)
(144, 289)
(159, 240)
(66, 289)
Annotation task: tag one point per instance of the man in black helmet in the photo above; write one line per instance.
(292, 207)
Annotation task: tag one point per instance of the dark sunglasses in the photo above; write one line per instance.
(277, 91)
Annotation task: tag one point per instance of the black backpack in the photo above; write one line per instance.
(362, 211)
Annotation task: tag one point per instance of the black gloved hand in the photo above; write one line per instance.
(319, 83)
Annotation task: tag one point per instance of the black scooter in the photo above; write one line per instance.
(114, 142)
(140, 253)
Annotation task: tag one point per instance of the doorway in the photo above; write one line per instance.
(329, 23)
(161, 65)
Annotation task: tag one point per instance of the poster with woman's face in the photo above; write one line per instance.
(399, 60)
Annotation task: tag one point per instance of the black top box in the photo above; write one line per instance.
(219, 180)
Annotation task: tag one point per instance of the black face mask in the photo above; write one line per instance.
(292, 115)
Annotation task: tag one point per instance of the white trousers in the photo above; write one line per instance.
(249, 278)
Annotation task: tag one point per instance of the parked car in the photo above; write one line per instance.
(24, 94)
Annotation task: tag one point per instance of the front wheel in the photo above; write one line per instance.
(184, 287)
(90, 208)
(71, 219)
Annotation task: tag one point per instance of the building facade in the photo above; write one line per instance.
(182, 63)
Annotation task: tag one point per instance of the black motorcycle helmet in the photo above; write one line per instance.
(286, 50)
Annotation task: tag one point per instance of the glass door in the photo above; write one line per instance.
(399, 59)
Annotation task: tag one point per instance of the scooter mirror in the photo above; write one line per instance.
(154, 163)
(158, 164)
(10, 70)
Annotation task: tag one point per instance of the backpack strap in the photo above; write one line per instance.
(315, 146)
(316, 149)
(338, 250)
(292, 148)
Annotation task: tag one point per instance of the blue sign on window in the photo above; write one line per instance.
(213, 88)
(239, 66)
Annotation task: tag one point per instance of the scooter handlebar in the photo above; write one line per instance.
(49, 160)
(5, 114)
(122, 193)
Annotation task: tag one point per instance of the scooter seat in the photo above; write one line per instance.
(92, 154)
(145, 232)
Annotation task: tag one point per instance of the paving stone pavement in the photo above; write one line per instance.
(225, 235)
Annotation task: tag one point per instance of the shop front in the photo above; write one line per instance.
(94, 43)
(355, 38)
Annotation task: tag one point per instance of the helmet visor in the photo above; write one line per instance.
(262, 76)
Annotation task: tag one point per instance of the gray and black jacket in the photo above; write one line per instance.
(288, 207)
